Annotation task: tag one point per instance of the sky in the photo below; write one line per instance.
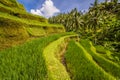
(49, 8)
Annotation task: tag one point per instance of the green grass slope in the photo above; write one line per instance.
(26, 62)
(56, 69)
(81, 66)
(21, 13)
(109, 66)
(10, 3)
(103, 52)
(16, 24)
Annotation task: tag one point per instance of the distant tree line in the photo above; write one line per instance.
(101, 24)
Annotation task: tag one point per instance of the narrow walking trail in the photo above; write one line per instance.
(56, 70)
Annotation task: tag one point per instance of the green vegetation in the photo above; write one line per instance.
(56, 70)
(80, 64)
(26, 21)
(26, 62)
(101, 24)
(95, 55)
(109, 66)
(20, 13)
(10, 3)
(104, 52)
(17, 26)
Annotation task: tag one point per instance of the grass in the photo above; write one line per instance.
(15, 29)
(56, 69)
(21, 13)
(100, 49)
(16, 24)
(26, 62)
(81, 66)
(11, 28)
(105, 53)
(9, 3)
(14, 19)
(109, 66)
(35, 31)
(11, 32)
(27, 21)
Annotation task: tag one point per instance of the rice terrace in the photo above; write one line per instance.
(59, 40)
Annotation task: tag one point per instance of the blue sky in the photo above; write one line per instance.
(62, 5)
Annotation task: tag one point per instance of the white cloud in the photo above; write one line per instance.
(48, 9)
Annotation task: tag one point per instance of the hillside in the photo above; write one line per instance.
(16, 25)
(100, 24)
(33, 49)
(48, 58)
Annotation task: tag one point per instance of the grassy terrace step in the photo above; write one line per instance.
(27, 21)
(9, 25)
(56, 69)
(26, 62)
(21, 20)
(6, 19)
(17, 20)
(16, 24)
(103, 52)
(10, 3)
(21, 13)
(81, 66)
(109, 66)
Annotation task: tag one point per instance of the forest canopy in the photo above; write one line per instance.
(101, 24)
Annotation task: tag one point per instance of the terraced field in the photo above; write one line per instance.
(84, 63)
(47, 52)
(17, 25)
(109, 66)
(27, 62)
(40, 59)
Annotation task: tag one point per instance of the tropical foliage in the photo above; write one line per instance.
(50, 53)
(100, 24)
(26, 62)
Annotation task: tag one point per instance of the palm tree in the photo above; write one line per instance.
(95, 2)
(106, 1)
(115, 1)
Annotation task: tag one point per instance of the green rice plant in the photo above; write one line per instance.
(105, 53)
(21, 13)
(81, 66)
(56, 69)
(14, 27)
(26, 62)
(109, 66)
(10, 3)
(10, 28)
(35, 31)
(100, 49)
(32, 23)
